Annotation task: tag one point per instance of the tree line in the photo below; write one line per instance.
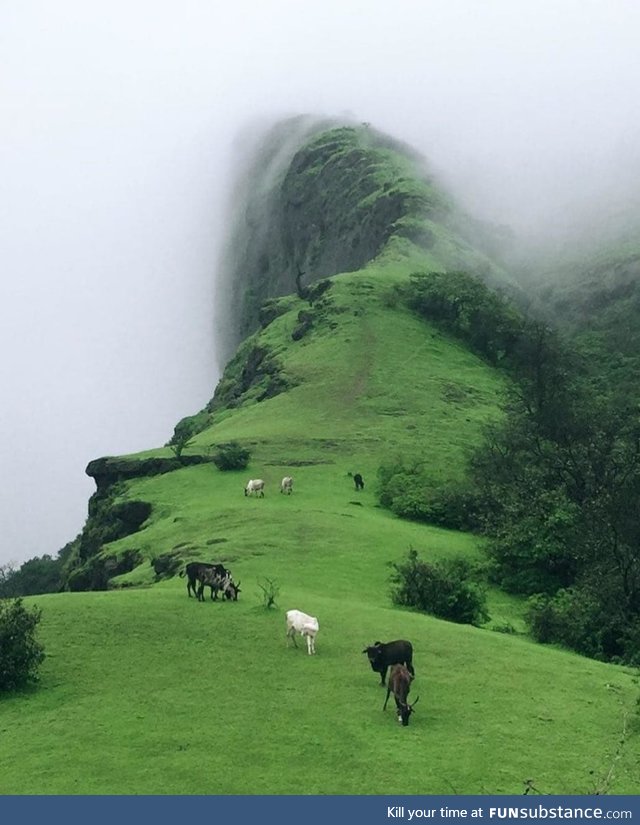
(555, 486)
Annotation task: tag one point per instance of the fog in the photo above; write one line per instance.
(119, 140)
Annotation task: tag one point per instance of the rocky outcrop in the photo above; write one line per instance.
(109, 470)
(317, 203)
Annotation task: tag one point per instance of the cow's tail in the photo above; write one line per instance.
(183, 573)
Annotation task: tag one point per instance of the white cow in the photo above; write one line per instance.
(254, 485)
(298, 622)
(286, 485)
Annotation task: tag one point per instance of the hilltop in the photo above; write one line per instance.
(317, 201)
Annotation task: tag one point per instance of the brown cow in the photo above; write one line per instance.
(400, 684)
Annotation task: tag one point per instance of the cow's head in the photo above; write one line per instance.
(231, 591)
(404, 712)
(374, 652)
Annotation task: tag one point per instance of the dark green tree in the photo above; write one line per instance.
(21, 654)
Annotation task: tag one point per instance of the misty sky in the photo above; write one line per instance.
(118, 139)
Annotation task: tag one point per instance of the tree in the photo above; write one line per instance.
(180, 444)
(41, 574)
(8, 584)
(560, 483)
(21, 654)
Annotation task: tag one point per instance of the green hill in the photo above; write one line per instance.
(147, 691)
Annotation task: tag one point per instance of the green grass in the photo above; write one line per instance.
(146, 691)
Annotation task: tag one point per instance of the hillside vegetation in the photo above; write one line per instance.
(147, 691)
(595, 298)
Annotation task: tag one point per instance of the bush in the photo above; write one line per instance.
(231, 456)
(505, 627)
(20, 653)
(445, 589)
(270, 591)
(576, 618)
(406, 489)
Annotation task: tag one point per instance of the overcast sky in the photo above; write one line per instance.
(119, 124)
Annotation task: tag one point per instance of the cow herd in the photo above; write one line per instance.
(397, 655)
(255, 486)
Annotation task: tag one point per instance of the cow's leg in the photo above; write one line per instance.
(383, 675)
(200, 593)
(384, 707)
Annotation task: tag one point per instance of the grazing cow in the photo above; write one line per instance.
(286, 485)
(383, 654)
(196, 570)
(232, 590)
(400, 684)
(298, 622)
(255, 485)
(358, 481)
(215, 579)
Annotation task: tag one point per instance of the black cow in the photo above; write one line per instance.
(231, 591)
(217, 579)
(383, 654)
(358, 481)
(400, 680)
(199, 571)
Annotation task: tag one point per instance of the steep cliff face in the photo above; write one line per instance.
(319, 201)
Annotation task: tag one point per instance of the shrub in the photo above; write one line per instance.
(406, 489)
(20, 652)
(505, 627)
(270, 591)
(231, 456)
(446, 589)
(576, 618)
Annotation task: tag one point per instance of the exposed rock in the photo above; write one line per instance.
(109, 470)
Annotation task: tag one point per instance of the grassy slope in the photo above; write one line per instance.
(146, 691)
